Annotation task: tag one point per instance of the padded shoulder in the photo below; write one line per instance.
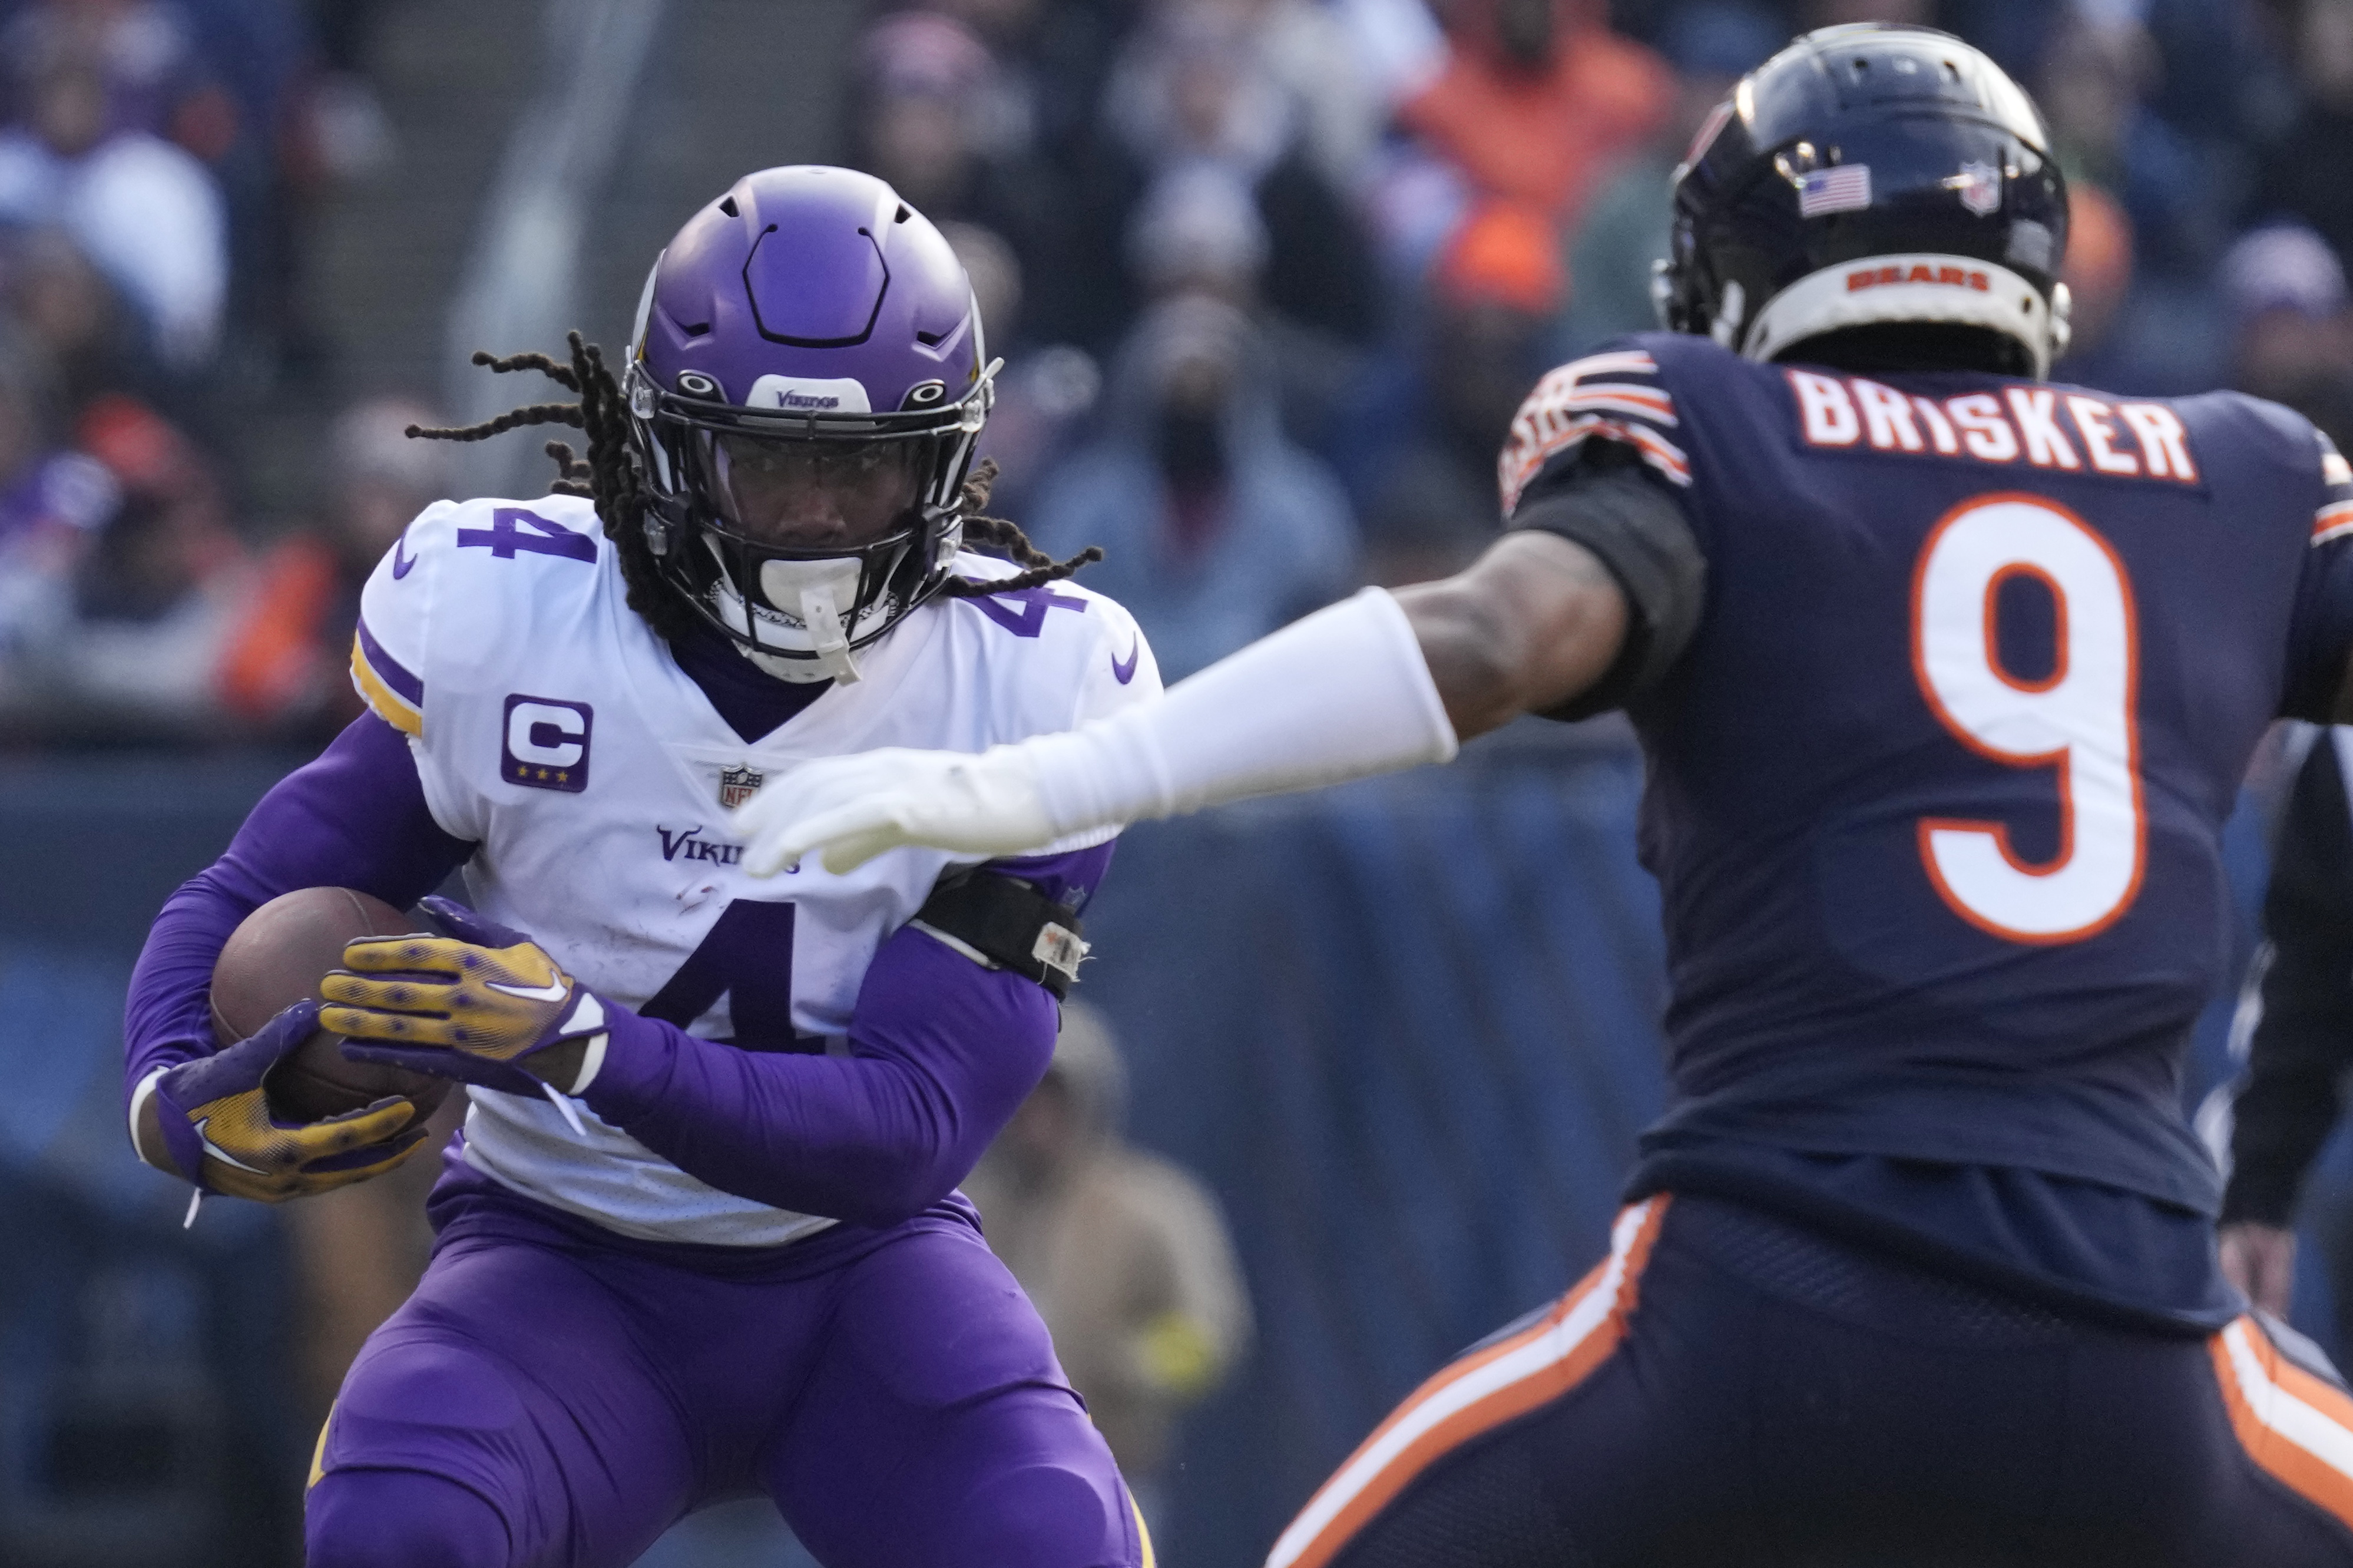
(1616, 394)
(2279, 433)
(463, 577)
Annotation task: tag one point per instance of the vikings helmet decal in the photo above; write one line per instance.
(807, 378)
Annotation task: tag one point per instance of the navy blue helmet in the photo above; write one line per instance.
(1871, 176)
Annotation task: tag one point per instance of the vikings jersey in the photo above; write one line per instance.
(1937, 785)
(552, 727)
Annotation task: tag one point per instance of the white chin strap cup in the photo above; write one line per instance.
(814, 590)
(824, 621)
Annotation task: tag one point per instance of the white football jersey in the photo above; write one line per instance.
(553, 728)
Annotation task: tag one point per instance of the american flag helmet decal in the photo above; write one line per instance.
(1845, 188)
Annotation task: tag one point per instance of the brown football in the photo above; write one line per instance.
(276, 958)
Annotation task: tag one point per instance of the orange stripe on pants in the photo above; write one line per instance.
(2298, 1428)
(1481, 1392)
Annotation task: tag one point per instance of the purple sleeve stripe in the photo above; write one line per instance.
(389, 670)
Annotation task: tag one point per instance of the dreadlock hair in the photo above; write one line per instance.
(609, 477)
(996, 534)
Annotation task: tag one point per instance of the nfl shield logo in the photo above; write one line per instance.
(1980, 188)
(736, 785)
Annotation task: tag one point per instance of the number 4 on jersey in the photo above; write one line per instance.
(747, 959)
(513, 529)
(2078, 719)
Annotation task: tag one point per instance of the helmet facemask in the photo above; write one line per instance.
(803, 536)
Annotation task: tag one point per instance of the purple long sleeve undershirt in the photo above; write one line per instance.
(354, 817)
(943, 1050)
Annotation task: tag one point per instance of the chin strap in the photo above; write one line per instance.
(823, 619)
(811, 591)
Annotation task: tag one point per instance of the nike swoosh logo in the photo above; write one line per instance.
(586, 1016)
(1125, 673)
(555, 991)
(204, 1136)
(402, 565)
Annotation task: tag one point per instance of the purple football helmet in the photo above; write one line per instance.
(805, 381)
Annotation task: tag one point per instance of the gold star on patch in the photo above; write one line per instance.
(543, 773)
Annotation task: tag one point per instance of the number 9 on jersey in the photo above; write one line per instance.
(2078, 719)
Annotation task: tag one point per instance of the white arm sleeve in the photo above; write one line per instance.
(1342, 695)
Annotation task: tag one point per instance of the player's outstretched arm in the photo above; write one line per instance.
(1532, 624)
(1375, 684)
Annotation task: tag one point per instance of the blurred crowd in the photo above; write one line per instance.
(161, 164)
(1126, 1255)
(1268, 277)
(1271, 276)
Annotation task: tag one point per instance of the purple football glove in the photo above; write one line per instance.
(220, 1132)
(475, 1005)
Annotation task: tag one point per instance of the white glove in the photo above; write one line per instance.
(855, 807)
(1339, 696)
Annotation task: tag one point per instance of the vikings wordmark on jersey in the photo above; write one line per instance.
(551, 726)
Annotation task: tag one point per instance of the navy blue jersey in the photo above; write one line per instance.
(1937, 785)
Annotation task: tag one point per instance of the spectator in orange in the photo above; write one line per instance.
(1711, 44)
(284, 667)
(147, 599)
(2098, 275)
(1429, 499)
(1538, 102)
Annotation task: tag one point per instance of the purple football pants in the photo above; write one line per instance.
(553, 1396)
